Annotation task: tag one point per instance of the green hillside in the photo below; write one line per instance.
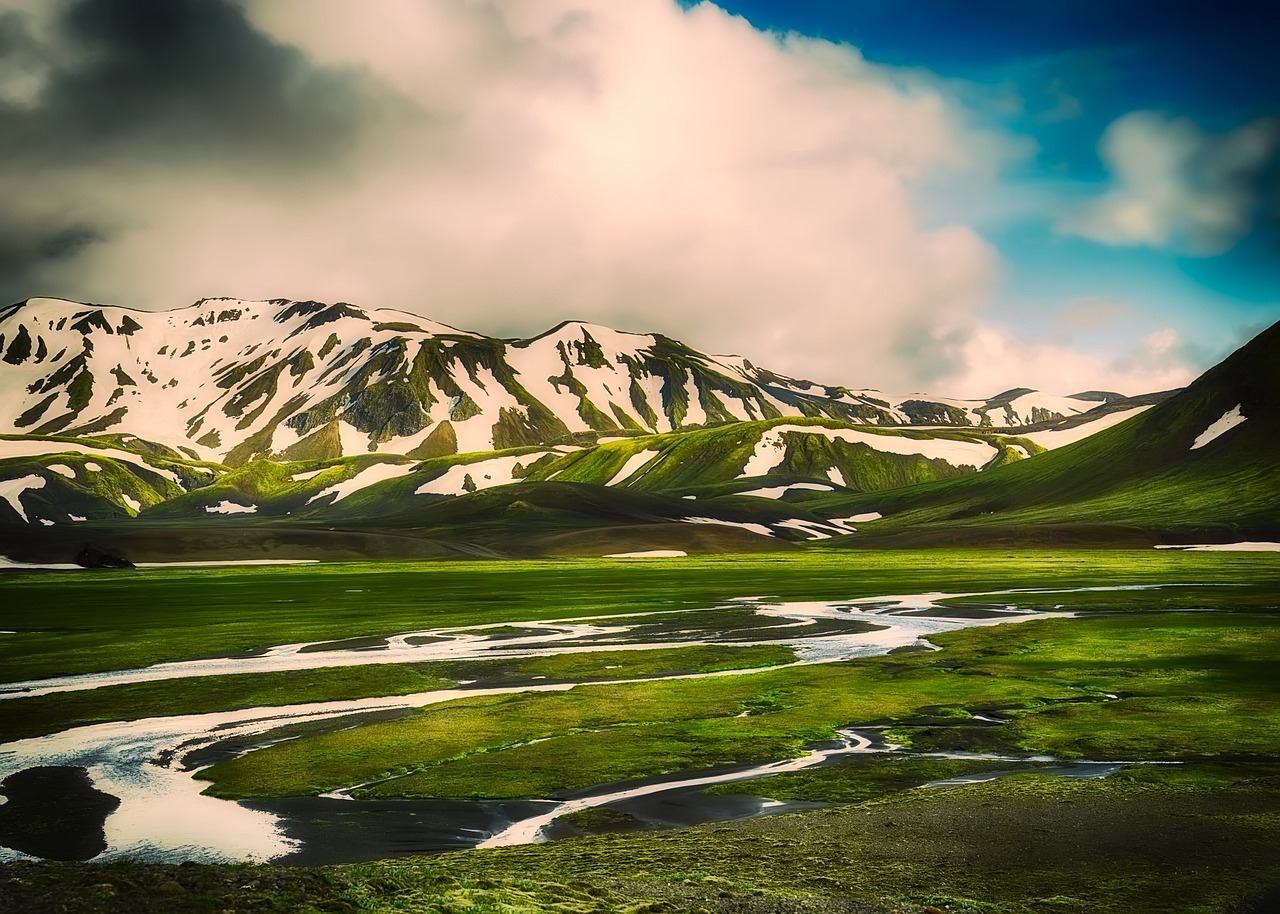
(1143, 473)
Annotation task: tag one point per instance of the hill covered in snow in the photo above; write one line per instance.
(231, 381)
(302, 429)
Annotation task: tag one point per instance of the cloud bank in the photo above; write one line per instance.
(1175, 186)
(501, 165)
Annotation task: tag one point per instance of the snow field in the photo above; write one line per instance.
(484, 474)
(771, 449)
(379, 472)
(1053, 439)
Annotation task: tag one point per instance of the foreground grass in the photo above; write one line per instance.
(1153, 841)
(1194, 840)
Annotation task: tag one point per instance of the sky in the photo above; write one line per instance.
(951, 196)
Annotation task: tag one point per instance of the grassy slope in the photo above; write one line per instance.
(1142, 472)
(704, 461)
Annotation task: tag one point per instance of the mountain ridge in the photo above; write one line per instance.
(544, 447)
(313, 378)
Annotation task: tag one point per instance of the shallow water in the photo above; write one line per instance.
(148, 765)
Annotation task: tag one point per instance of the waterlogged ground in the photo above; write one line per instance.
(149, 765)
(634, 711)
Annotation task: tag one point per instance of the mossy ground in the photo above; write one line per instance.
(1200, 688)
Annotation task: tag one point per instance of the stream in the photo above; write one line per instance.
(132, 783)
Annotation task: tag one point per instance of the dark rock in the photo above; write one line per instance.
(93, 557)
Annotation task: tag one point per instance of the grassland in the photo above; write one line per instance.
(1126, 680)
(101, 620)
(1180, 677)
(25, 717)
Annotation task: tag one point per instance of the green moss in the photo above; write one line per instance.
(641, 404)
(442, 442)
(20, 347)
(624, 419)
(36, 412)
(101, 424)
(230, 375)
(328, 346)
(464, 408)
(325, 443)
(513, 429)
(301, 363)
(255, 446)
(386, 411)
(80, 390)
(260, 390)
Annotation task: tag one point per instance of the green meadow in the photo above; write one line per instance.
(1184, 675)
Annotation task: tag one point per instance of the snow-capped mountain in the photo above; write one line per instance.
(233, 380)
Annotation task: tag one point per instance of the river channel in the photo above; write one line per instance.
(126, 790)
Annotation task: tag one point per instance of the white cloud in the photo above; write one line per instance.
(1174, 186)
(997, 360)
(633, 163)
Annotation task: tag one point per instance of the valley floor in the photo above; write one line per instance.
(1116, 750)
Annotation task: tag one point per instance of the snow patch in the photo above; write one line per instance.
(379, 472)
(1226, 423)
(131, 502)
(1227, 547)
(779, 491)
(11, 490)
(299, 477)
(754, 528)
(651, 554)
(6, 562)
(771, 448)
(815, 530)
(633, 465)
(496, 471)
(1052, 439)
(62, 470)
(35, 447)
(230, 507)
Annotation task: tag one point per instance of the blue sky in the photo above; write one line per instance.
(1059, 73)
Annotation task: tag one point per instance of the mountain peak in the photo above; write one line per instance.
(235, 379)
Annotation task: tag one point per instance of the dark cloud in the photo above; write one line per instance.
(37, 245)
(177, 87)
(178, 79)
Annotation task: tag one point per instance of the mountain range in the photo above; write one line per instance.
(293, 429)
